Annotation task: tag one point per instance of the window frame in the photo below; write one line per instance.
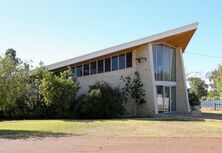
(88, 69)
(124, 54)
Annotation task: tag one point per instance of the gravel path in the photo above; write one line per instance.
(88, 144)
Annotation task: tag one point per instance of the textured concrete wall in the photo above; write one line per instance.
(182, 95)
(113, 78)
(145, 69)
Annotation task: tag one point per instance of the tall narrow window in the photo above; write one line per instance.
(86, 69)
(93, 67)
(79, 71)
(107, 64)
(164, 59)
(122, 61)
(114, 63)
(74, 71)
(129, 59)
(100, 66)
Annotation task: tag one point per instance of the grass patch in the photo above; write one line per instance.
(118, 128)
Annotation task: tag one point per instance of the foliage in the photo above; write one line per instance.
(103, 101)
(14, 76)
(134, 88)
(194, 99)
(215, 78)
(58, 91)
(198, 86)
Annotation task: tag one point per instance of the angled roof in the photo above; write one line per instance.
(178, 37)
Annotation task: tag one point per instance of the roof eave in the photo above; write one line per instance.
(123, 46)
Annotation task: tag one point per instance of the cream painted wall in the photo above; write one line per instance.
(145, 69)
(113, 78)
(182, 95)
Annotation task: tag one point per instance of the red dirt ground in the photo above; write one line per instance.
(88, 144)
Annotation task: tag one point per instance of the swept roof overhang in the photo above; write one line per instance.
(178, 37)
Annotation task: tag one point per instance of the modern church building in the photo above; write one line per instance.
(157, 59)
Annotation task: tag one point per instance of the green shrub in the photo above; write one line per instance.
(58, 92)
(103, 101)
(194, 99)
(30, 105)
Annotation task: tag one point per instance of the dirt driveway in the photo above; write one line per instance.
(111, 145)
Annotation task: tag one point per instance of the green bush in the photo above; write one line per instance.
(58, 92)
(103, 101)
(194, 99)
(30, 105)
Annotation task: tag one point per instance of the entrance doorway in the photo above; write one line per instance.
(166, 98)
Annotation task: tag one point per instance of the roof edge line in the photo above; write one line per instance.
(122, 46)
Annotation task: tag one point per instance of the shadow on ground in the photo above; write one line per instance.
(178, 119)
(214, 116)
(23, 134)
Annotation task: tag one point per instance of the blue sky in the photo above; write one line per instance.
(59, 29)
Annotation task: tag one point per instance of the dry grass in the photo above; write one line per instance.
(114, 128)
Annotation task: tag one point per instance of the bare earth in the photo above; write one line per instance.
(89, 144)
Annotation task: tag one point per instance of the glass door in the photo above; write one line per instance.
(166, 98)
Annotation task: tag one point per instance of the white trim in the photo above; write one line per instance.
(165, 83)
(157, 43)
(123, 46)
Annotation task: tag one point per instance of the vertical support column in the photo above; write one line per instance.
(146, 72)
(182, 94)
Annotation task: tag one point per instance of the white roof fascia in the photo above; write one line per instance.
(123, 46)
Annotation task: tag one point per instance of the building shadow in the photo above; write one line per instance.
(24, 134)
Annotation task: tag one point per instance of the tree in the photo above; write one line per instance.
(31, 103)
(134, 89)
(11, 53)
(58, 91)
(197, 86)
(215, 78)
(14, 76)
(194, 99)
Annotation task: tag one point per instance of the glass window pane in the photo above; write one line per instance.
(173, 64)
(173, 98)
(164, 61)
(114, 63)
(74, 71)
(100, 66)
(129, 59)
(160, 70)
(86, 69)
(122, 61)
(155, 61)
(107, 64)
(93, 67)
(57, 73)
(79, 71)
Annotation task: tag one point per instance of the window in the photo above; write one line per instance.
(79, 71)
(129, 59)
(74, 71)
(122, 61)
(117, 62)
(100, 66)
(107, 64)
(164, 61)
(114, 63)
(57, 73)
(86, 69)
(93, 67)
